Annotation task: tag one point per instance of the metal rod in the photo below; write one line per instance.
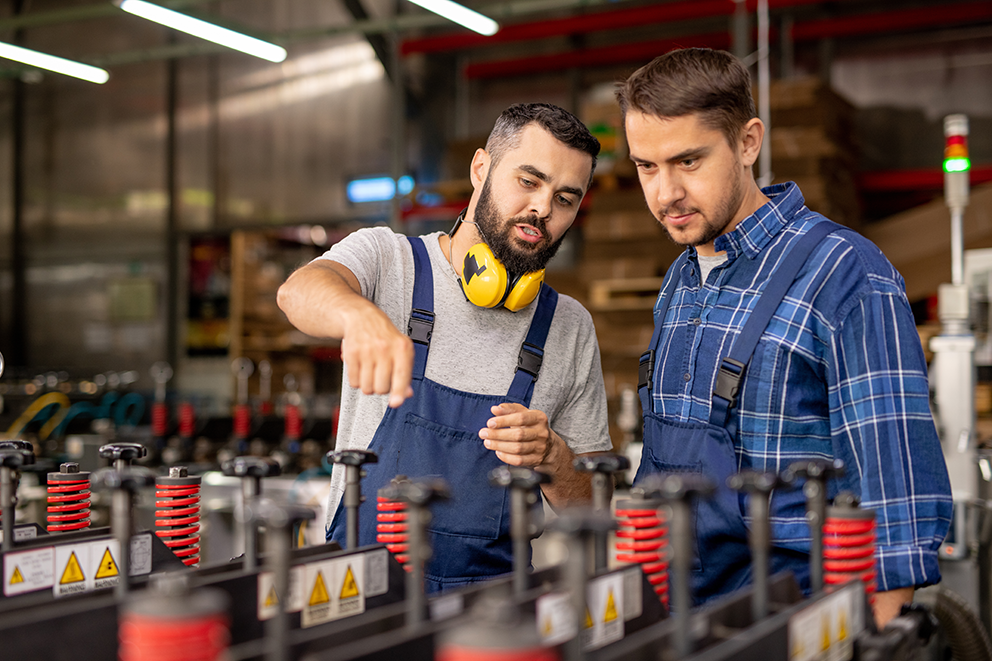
(277, 628)
(121, 513)
(172, 212)
(957, 246)
(816, 510)
(759, 542)
(416, 601)
(600, 503)
(576, 580)
(520, 533)
(250, 488)
(764, 96)
(7, 506)
(352, 501)
(681, 536)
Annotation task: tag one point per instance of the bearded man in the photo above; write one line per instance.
(457, 357)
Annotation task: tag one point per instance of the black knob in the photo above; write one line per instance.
(353, 457)
(277, 515)
(677, 486)
(421, 492)
(11, 458)
(601, 463)
(517, 477)
(752, 481)
(125, 451)
(817, 469)
(251, 467)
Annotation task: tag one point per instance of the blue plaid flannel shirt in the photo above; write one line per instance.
(839, 372)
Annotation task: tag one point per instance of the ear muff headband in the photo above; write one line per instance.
(486, 282)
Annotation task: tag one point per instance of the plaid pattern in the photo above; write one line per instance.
(839, 372)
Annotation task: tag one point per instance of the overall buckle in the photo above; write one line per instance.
(728, 380)
(421, 326)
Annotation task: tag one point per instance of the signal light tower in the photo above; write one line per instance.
(953, 368)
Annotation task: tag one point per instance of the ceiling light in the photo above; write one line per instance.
(204, 30)
(56, 64)
(462, 15)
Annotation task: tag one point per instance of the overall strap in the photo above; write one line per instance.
(645, 369)
(732, 367)
(532, 352)
(421, 323)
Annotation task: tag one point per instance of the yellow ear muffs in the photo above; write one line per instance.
(486, 282)
(524, 290)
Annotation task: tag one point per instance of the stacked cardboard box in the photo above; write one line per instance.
(625, 254)
(812, 143)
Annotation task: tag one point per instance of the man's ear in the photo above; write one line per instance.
(480, 168)
(751, 138)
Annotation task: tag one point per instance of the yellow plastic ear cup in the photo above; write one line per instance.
(524, 290)
(484, 280)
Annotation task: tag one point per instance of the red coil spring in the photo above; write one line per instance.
(391, 529)
(293, 422)
(68, 501)
(160, 419)
(187, 420)
(849, 548)
(177, 516)
(642, 539)
(242, 421)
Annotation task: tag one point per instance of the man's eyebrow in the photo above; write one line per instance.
(694, 152)
(534, 172)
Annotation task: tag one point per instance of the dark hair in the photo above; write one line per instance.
(563, 125)
(711, 83)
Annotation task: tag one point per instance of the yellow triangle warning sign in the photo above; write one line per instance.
(319, 593)
(271, 599)
(73, 573)
(611, 608)
(547, 629)
(108, 568)
(825, 645)
(842, 626)
(18, 577)
(588, 619)
(301, 535)
(349, 588)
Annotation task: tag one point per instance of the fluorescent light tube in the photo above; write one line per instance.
(204, 30)
(460, 14)
(56, 64)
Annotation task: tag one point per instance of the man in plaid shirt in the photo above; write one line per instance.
(836, 372)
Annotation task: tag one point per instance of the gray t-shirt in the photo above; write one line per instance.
(707, 264)
(472, 348)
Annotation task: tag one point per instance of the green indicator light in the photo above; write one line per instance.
(957, 165)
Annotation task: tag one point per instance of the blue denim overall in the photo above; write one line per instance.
(436, 434)
(722, 562)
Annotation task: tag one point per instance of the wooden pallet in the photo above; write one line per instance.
(624, 294)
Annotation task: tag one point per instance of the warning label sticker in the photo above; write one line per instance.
(333, 589)
(103, 563)
(318, 607)
(268, 599)
(351, 586)
(826, 629)
(555, 619)
(141, 555)
(71, 577)
(605, 599)
(27, 571)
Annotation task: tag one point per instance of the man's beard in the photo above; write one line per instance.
(711, 228)
(518, 257)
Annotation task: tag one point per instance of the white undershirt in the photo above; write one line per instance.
(707, 264)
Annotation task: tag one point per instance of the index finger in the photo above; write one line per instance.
(400, 388)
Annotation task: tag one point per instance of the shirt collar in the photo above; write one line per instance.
(755, 232)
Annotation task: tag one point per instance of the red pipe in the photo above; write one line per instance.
(594, 22)
(891, 181)
(642, 51)
(805, 31)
